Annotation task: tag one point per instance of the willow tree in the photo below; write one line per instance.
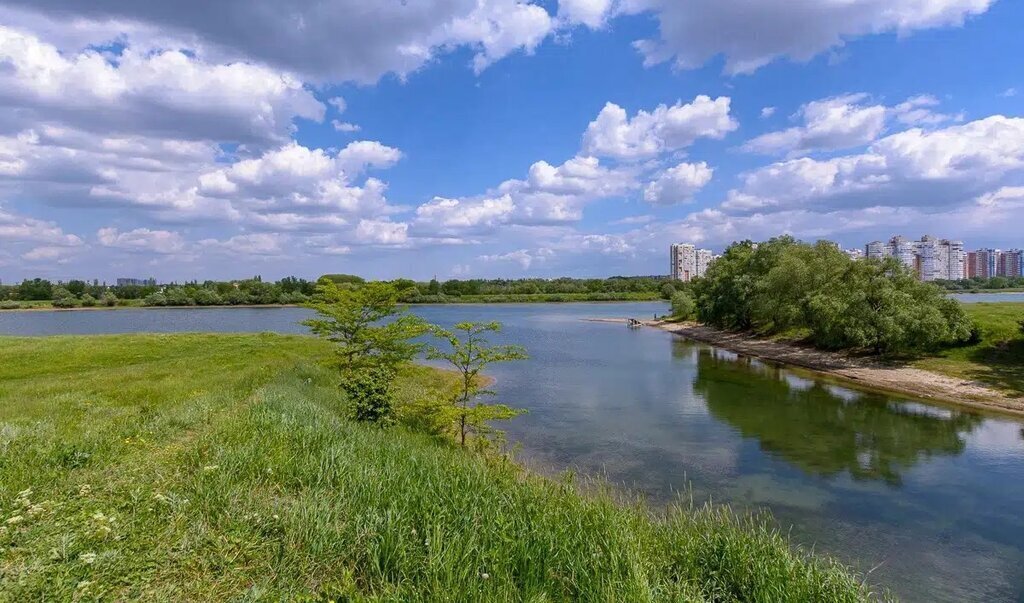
(470, 352)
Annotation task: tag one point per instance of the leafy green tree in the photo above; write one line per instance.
(88, 301)
(683, 305)
(668, 290)
(470, 352)
(108, 299)
(61, 293)
(35, 289)
(367, 325)
(434, 287)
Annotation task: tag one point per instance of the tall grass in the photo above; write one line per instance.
(221, 468)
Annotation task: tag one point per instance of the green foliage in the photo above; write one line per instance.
(668, 290)
(88, 301)
(1020, 323)
(369, 394)
(470, 352)
(683, 306)
(342, 279)
(9, 305)
(35, 289)
(783, 286)
(108, 299)
(367, 325)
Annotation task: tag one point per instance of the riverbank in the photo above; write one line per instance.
(221, 467)
(864, 371)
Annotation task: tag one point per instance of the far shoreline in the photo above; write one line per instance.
(865, 373)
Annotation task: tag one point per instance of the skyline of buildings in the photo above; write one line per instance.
(931, 258)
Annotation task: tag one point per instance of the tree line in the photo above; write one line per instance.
(77, 293)
(785, 287)
(293, 290)
(978, 283)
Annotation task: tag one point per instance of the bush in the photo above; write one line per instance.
(668, 290)
(88, 301)
(10, 305)
(155, 299)
(369, 394)
(206, 297)
(1020, 323)
(66, 302)
(108, 299)
(683, 305)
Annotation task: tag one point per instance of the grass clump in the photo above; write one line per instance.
(222, 467)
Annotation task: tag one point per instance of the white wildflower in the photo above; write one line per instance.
(85, 490)
(88, 558)
(13, 521)
(209, 468)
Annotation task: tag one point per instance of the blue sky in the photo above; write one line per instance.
(486, 138)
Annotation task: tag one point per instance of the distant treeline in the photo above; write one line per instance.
(76, 293)
(981, 284)
(292, 290)
(818, 293)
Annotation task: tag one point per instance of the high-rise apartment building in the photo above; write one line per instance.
(688, 262)
(1008, 263)
(932, 258)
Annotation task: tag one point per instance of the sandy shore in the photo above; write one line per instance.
(866, 372)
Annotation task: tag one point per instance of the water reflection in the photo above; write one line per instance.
(824, 429)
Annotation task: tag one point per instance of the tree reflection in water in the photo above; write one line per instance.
(822, 428)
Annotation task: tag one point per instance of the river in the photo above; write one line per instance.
(930, 499)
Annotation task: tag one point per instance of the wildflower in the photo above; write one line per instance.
(160, 498)
(13, 521)
(276, 517)
(88, 558)
(83, 586)
(36, 509)
(485, 576)
(209, 468)
(25, 493)
(85, 490)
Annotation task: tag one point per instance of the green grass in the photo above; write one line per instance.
(998, 359)
(220, 467)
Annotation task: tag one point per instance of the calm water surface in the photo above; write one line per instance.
(973, 298)
(930, 499)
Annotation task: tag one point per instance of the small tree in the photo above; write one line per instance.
(1020, 323)
(683, 305)
(470, 353)
(366, 323)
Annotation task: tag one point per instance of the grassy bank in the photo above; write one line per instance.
(998, 359)
(216, 467)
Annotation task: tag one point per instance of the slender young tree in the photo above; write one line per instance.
(366, 323)
(470, 352)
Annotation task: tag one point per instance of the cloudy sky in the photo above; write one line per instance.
(464, 138)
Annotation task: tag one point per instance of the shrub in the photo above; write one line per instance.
(66, 302)
(683, 305)
(206, 297)
(10, 305)
(88, 301)
(369, 394)
(155, 299)
(1020, 323)
(668, 290)
(108, 299)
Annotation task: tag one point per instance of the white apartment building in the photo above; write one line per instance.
(688, 262)
(932, 258)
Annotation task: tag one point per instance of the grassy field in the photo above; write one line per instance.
(220, 467)
(998, 359)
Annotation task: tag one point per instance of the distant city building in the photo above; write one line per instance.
(688, 262)
(982, 263)
(136, 282)
(854, 254)
(931, 258)
(1011, 263)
